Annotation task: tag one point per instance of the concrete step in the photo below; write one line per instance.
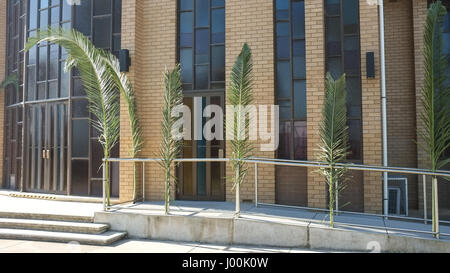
(45, 225)
(45, 216)
(103, 239)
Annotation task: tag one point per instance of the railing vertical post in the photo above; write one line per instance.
(256, 184)
(143, 181)
(425, 209)
(103, 185)
(436, 207)
(238, 198)
(336, 198)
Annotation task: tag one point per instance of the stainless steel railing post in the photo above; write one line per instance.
(425, 209)
(256, 184)
(104, 185)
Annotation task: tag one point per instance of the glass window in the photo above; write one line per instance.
(80, 138)
(291, 77)
(343, 54)
(201, 39)
(102, 32)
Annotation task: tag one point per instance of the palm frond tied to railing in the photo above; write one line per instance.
(101, 90)
(333, 146)
(240, 96)
(435, 116)
(170, 147)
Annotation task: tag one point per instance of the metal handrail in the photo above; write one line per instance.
(299, 163)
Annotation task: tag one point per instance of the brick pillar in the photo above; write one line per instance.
(315, 86)
(149, 32)
(2, 75)
(371, 108)
(251, 21)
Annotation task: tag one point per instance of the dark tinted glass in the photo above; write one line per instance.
(202, 13)
(282, 9)
(83, 17)
(102, 32)
(201, 77)
(185, 4)
(102, 7)
(283, 79)
(300, 144)
(218, 63)
(201, 46)
(332, 7)
(218, 26)
(80, 138)
(300, 99)
(186, 65)
(350, 15)
(298, 19)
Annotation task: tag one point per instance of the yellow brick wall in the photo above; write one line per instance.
(149, 32)
(371, 107)
(251, 21)
(2, 75)
(315, 86)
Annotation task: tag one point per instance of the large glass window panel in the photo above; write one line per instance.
(282, 9)
(332, 7)
(54, 62)
(80, 108)
(201, 77)
(42, 63)
(283, 79)
(300, 138)
(102, 7)
(202, 13)
(33, 9)
(333, 35)
(80, 138)
(44, 19)
(83, 17)
(201, 46)
(102, 32)
(350, 16)
(53, 89)
(186, 65)
(218, 26)
(298, 19)
(218, 63)
(300, 99)
(299, 52)
(285, 109)
(54, 17)
(31, 84)
(67, 11)
(117, 16)
(186, 21)
(186, 4)
(284, 150)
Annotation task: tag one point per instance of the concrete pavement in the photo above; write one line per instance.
(138, 246)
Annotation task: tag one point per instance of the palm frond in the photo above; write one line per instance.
(11, 79)
(100, 89)
(170, 147)
(240, 96)
(435, 115)
(333, 132)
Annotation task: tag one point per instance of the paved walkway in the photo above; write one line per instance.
(137, 246)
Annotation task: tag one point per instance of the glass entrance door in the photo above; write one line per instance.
(202, 180)
(47, 148)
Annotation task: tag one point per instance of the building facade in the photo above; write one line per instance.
(50, 147)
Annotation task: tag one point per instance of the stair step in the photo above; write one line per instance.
(45, 216)
(103, 239)
(45, 225)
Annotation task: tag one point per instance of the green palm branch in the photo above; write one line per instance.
(11, 79)
(240, 96)
(128, 93)
(170, 147)
(333, 146)
(435, 115)
(100, 89)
